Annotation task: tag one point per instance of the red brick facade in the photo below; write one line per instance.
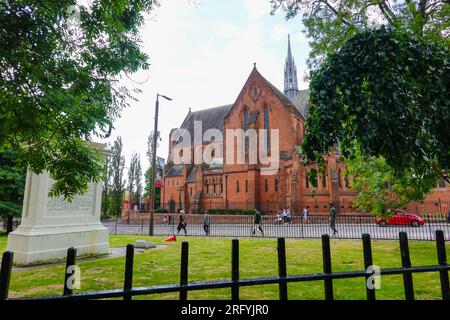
(243, 186)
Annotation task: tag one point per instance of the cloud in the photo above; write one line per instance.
(257, 8)
(280, 32)
(200, 60)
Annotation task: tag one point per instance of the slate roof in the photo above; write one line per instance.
(192, 174)
(301, 102)
(211, 118)
(175, 171)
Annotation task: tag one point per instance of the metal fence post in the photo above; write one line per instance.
(281, 248)
(69, 271)
(235, 269)
(442, 258)
(406, 263)
(5, 274)
(328, 283)
(184, 269)
(128, 281)
(367, 248)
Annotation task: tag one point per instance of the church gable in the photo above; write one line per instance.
(257, 92)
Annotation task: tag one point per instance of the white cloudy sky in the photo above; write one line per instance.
(201, 53)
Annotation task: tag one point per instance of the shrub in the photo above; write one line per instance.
(161, 210)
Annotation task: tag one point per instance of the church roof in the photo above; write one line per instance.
(192, 175)
(211, 118)
(300, 102)
(175, 171)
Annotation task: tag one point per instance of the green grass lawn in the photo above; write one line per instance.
(210, 259)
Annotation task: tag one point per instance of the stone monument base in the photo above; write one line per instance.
(37, 245)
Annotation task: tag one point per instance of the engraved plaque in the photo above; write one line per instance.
(81, 205)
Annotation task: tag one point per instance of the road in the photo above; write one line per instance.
(345, 230)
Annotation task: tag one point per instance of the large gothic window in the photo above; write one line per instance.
(246, 120)
(267, 126)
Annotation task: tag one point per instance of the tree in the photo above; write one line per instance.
(379, 189)
(138, 177)
(148, 174)
(329, 24)
(400, 135)
(135, 180)
(60, 66)
(132, 177)
(12, 185)
(385, 93)
(118, 184)
(106, 196)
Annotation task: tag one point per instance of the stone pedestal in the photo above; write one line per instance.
(50, 226)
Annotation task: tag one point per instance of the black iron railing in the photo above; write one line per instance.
(235, 283)
(349, 226)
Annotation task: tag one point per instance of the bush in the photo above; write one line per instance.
(161, 210)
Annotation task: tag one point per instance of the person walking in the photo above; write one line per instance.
(333, 218)
(288, 216)
(257, 222)
(284, 214)
(305, 215)
(206, 222)
(181, 223)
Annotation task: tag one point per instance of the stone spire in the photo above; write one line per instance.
(290, 74)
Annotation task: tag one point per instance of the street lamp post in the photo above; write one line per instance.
(153, 177)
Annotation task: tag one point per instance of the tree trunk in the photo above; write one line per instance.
(9, 224)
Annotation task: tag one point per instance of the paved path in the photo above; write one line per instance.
(345, 230)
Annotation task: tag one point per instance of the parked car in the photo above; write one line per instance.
(401, 217)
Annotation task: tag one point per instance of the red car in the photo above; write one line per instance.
(401, 217)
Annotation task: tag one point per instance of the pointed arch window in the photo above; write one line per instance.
(339, 178)
(267, 127)
(246, 121)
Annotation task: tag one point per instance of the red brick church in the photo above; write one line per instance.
(221, 184)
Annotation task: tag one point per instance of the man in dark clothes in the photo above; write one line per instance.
(206, 222)
(333, 218)
(181, 223)
(257, 222)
